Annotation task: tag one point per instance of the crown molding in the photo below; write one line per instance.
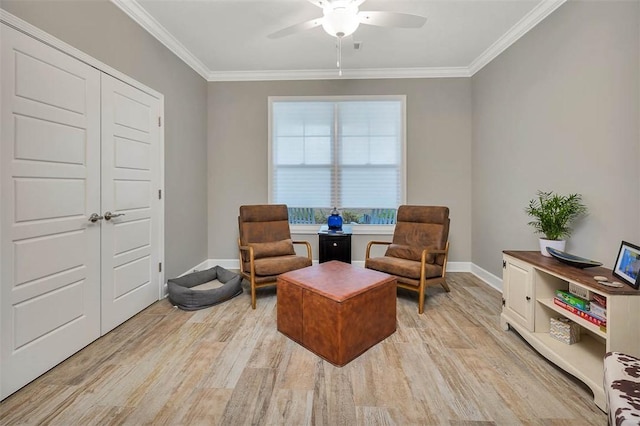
(332, 74)
(523, 26)
(148, 22)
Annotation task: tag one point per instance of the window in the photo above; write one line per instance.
(346, 152)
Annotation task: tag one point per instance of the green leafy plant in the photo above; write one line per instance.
(553, 213)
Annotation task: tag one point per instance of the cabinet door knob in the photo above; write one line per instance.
(528, 298)
(335, 244)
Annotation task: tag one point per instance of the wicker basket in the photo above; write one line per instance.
(564, 330)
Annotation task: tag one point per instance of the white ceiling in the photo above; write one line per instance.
(227, 40)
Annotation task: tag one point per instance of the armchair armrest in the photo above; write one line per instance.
(432, 251)
(426, 252)
(306, 243)
(372, 243)
(248, 249)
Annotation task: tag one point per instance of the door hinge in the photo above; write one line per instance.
(159, 121)
(160, 267)
(504, 264)
(503, 301)
(159, 194)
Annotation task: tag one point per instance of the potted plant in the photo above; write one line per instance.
(553, 216)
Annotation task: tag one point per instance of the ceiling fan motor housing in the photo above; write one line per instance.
(340, 18)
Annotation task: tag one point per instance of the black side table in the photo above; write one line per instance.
(334, 245)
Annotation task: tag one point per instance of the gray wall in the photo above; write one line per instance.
(101, 30)
(559, 111)
(438, 151)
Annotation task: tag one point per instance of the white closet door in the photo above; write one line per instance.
(50, 185)
(130, 183)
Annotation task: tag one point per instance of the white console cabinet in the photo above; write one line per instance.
(529, 284)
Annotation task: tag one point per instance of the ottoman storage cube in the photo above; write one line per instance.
(336, 310)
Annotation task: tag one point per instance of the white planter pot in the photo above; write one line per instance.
(555, 244)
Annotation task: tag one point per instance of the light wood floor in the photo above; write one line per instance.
(228, 365)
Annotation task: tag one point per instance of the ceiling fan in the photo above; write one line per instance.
(341, 18)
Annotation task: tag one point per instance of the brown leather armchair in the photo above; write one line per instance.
(417, 256)
(265, 246)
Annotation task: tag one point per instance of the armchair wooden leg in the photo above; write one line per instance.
(421, 300)
(253, 296)
(445, 285)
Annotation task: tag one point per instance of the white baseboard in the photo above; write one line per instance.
(225, 263)
(199, 267)
(459, 267)
(487, 277)
(234, 264)
(484, 275)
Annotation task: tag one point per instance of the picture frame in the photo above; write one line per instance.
(627, 264)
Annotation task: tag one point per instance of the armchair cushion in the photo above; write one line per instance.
(272, 266)
(271, 249)
(403, 267)
(410, 253)
(411, 238)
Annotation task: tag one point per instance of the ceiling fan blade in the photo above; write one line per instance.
(320, 3)
(391, 19)
(323, 3)
(296, 28)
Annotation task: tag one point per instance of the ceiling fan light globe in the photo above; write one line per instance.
(340, 21)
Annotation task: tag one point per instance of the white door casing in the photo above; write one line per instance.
(50, 185)
(130, 182)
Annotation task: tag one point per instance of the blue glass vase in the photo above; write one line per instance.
(335, 220)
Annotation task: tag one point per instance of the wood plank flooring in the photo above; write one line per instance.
(228, 365)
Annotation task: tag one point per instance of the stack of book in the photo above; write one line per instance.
(582, 308)
(598, 306)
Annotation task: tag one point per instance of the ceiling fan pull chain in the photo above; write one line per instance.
(340, 56)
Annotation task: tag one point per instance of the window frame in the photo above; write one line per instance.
(357, 228)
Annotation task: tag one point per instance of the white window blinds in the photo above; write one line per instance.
(344, 152)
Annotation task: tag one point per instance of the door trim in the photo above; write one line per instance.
(38, 34)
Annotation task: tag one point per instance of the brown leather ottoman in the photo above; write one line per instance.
(336, 310)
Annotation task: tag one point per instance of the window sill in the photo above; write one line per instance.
(356, 229)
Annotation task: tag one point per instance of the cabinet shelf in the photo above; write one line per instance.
(573, 317)
(582, 359)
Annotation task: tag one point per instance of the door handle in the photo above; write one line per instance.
(95, 217)
(109, 215)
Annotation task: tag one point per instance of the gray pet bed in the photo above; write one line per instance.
(184, 297)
